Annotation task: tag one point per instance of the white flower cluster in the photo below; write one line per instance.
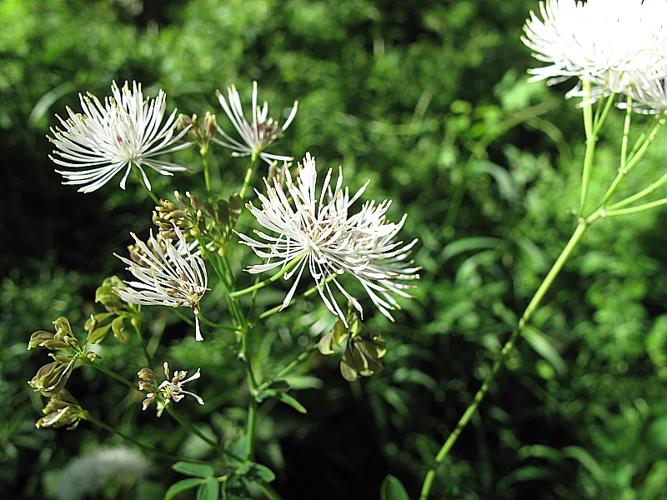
(167, 273)
(318, 233)
(619, 46)
(122, 132)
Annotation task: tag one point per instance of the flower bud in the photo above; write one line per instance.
(62, 410)
(146, 374)
(51, 378)
(210, 125)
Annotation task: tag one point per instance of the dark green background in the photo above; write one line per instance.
(430, 101)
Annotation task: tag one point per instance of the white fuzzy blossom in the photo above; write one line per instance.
(615, 45)
(167, 273)
(123, 131)
(317, 232)
(255, 136)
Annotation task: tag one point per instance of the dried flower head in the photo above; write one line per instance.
(318, 233)
(123, 132)
(167, 273)
(62, 410)
(255, 136)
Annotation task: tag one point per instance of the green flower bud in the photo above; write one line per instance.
(51, 378)
(62, 410)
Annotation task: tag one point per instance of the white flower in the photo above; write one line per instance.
(171, 389)
(125, 130)
(318, 233)
(613, 44)
(167, 274)
(649, 98)
(255, 136)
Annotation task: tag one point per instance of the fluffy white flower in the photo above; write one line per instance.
(613, 44)
(125, 130)
(167, 273)
(255, 136)
(318, 233)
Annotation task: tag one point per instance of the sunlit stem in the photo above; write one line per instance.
(151, 194)
(285, 269)
(590, 146)
(248, 174)
(638, 208)
(641, 194)
(219, 326)
(110, 373)
(601, 114)
(635, 156)
(507, 348)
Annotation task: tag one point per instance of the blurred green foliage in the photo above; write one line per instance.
(427, 99)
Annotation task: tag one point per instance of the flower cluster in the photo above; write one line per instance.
(167, 273)
(123, 132)
(319, 233)
(618, 46)
(171, 389)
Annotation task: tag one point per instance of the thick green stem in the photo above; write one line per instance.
(507, 348)
(207, 174)
(290, 265)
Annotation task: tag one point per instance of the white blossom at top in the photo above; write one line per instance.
(123, 131)
(255, 136)
(318, 233)
(167, 273)
(614, 44)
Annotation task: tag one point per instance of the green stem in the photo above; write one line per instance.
(590, 147)
(207, 174)
(290, 265)
(151, 194)
(219, 326)
(600, 118)
(507, 348)
(288, 367)
(186, 424)
(250, 429)
(641, 194)
(634, 210)
(635, 156)
(136, 323)
(112, 374)
(248, 174)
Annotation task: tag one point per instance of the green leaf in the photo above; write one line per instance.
(539, 342)
(393, 489)
(264, 473)
(290, 401)
(210, 490)
(191, 469)
(180, 486)
(468, 244)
